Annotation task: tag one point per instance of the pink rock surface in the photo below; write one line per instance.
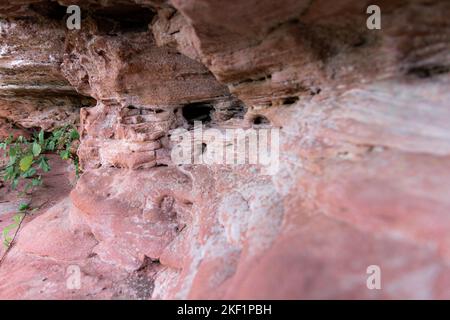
(363, 175)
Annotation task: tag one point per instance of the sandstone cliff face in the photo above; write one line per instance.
(364, 147)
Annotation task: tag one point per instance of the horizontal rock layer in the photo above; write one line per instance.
(364, 148)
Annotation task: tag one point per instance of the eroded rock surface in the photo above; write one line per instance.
(364, 147)
(33, 91)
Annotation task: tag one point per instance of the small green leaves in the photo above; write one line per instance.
(36, 149)
(41, 137)
(43, 164)
(18, 217)
(51, 145)
(24, 207)
(29, 173)
(26, 162)
(12, 160)
(7, 240)
(64, 154)
(36, 182)
(9, 172)
(15, 183)
(26, 158)
(74, 135)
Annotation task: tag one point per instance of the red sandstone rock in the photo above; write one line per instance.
(33, 92)
(364, 149)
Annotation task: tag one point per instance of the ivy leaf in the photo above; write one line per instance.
(23, 207)
(36, 182)
(12, 152)
(74, 135)
(12, 160)
(57, 134)
(25, 162)
(14, 183)
(51, 145)
(5, 232)
(43, 164)
(29, 173)
(41, 137)
(64, 154)
(18, 217)
(36, 149)
(9, 171)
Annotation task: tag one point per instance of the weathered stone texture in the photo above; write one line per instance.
(364, 149)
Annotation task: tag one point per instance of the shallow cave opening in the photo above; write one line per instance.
(112, 19)
(123, 19)
(290, 100)
(197, 112)
(204, 145)
(428, 71)
(260, 120)
(51, 10)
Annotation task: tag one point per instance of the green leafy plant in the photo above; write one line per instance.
(17, 221)
(27, 161)
(27, 158)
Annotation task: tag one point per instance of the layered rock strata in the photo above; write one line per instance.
(364, 148)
